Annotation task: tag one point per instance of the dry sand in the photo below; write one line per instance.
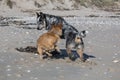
(102, 47)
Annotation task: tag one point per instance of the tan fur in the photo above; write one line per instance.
(79, 50)
(80, 53)
(47, 41)
(77, 40)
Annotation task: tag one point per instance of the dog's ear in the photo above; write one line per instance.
(37, 14)
(83, 33)
(41, 13)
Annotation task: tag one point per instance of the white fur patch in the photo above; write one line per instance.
(82, 34)
(79, 46)
(86, 32)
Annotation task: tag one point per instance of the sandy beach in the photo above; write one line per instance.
(102, 47)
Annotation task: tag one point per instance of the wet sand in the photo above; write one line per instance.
(102, 50)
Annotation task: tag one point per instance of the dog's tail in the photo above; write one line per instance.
(83, 33)
(29, 49)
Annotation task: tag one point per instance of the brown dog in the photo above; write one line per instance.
(47, 41)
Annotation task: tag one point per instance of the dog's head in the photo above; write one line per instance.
(40, 20)
(80, 35)
(57, 29)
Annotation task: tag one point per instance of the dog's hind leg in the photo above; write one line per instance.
(40, 51)
(57, 49)
(70, 54)
(80, 53)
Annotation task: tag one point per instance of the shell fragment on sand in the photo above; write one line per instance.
(115, 61)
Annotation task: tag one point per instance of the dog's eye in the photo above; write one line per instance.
(40, 19)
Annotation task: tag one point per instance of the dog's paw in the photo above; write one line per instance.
(78, 60)
(72, 57)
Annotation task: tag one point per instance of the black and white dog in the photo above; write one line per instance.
(72, 35)
(46, 20)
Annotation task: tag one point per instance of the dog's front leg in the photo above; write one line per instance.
(48, 27)
(48, 54)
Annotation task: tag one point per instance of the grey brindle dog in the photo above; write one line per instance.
(72, 35)
(46, 20)
(75, 41)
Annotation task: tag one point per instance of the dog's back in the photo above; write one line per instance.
(48, 40)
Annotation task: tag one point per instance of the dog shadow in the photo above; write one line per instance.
(56, 55)
(86, 56)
